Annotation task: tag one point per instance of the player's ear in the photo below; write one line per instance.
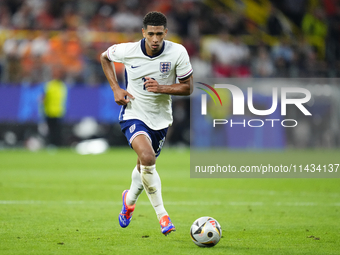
(165, 32)
(143, 32)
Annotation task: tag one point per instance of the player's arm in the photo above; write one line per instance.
(183, 88)
(122, 97)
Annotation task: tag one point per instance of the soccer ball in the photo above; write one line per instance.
(205, 232)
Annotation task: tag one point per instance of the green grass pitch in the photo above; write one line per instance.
(63, 203)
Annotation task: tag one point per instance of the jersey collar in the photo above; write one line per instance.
(142, 45)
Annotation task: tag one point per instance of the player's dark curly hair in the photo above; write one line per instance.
(154, 19)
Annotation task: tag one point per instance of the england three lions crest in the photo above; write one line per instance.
(165, 67)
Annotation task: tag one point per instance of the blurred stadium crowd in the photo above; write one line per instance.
(239, 38)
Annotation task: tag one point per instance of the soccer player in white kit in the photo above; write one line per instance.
(152, 67)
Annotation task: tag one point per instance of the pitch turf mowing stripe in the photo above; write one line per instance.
(145, 203)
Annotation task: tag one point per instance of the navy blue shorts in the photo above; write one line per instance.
(133, 128)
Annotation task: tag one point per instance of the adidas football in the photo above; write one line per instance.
(206, 232)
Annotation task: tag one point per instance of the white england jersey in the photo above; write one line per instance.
(171, 62)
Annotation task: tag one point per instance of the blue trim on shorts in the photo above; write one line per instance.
(134, 127)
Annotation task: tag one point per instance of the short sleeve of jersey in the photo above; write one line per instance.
(183, 68)
(116, 53)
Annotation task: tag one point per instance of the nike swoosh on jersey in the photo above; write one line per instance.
(134, 66)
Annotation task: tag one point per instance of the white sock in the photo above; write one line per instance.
(136, 188)
(152, 186)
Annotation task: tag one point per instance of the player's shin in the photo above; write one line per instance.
(136, 187)
(152, 185)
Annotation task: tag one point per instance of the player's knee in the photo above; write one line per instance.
(147, 158)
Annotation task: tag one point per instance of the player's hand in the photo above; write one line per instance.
(152, 85)
(122, 97)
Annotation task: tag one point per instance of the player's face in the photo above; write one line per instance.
(154, 36)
